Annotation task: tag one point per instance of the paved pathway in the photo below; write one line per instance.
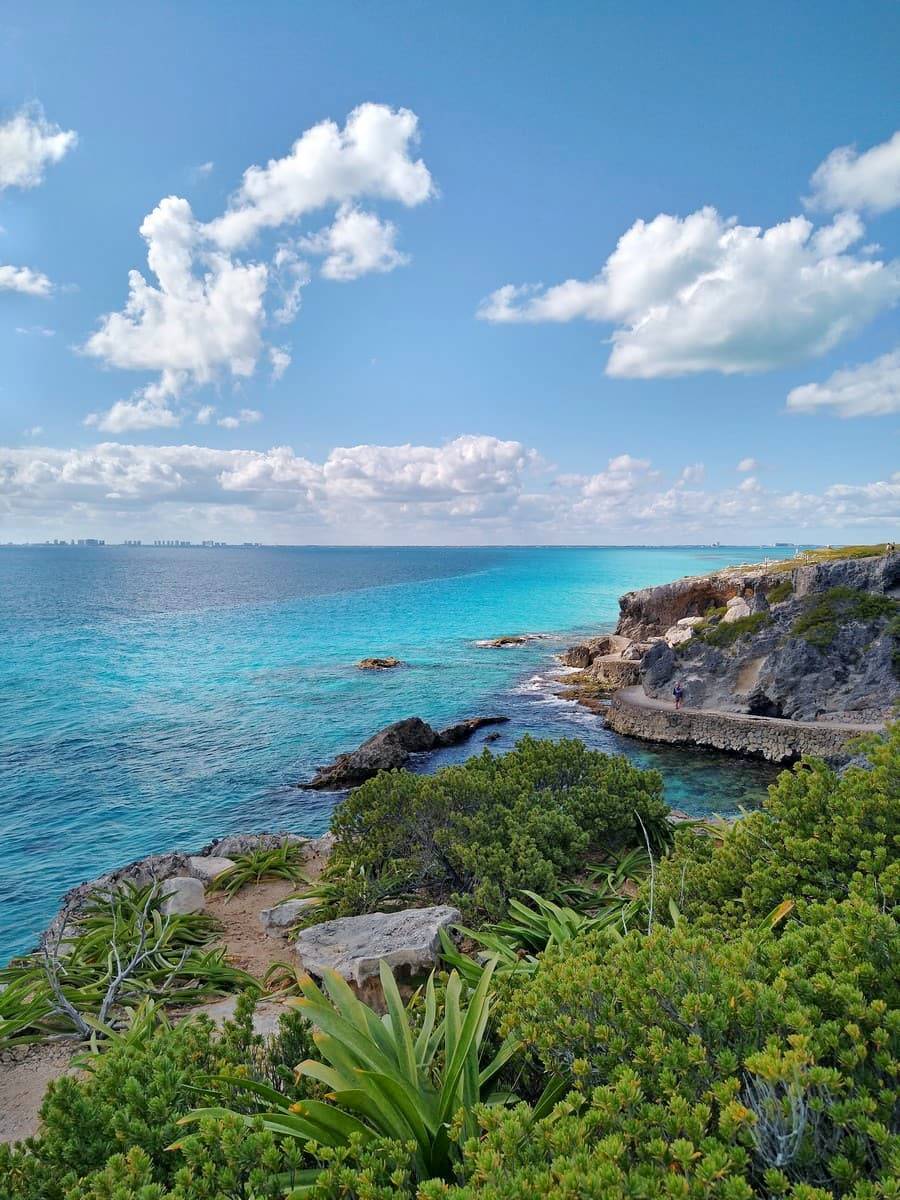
(639, 698)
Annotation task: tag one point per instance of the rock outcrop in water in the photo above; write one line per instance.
(390, 749)
(378, 664)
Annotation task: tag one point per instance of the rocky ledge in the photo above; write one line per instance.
(813, 643)
(378, 664)
(391, 748)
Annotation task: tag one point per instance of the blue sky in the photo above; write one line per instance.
(421, 403)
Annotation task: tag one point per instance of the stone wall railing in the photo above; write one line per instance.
(777, 741)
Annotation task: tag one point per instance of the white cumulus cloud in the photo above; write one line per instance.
(748, 464)
(199, 313)
(702, 293)
(850, 180)
(247, 416)
(24, 280)
(869, 390)
(29, 143)
(356, 244)
(370, 156)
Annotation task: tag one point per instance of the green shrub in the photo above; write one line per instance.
(278, 862)
(725, 634)
(825, 613)
(738, 1037)
(477, 833)
(780, 591)
(817, 833)
(128, 1103)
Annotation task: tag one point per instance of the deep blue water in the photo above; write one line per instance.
(155, 698)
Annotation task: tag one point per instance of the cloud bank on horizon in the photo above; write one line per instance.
(471, 488)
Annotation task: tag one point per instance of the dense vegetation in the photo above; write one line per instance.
(715, 632)
(732, 1031)
(475, 834)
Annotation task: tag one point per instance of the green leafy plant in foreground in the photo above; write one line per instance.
(279, 862)
(118, 951)
(385, 1078)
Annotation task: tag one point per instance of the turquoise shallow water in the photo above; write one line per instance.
(154, 698)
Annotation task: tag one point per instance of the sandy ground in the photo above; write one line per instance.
(25, 1073)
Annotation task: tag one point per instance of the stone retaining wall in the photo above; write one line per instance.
(613, 672)
(761, 737)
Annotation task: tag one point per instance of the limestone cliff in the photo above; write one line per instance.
(816, 642)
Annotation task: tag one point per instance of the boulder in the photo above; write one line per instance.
(737, 608)
(578, 656)
(208, 866)
(390, 749)
(690, 622)
(463, 730)
(182, 894)
(657, 666)
(285, 914)
(408, 941)
(677, 634)
(509, 639)
(378, 664)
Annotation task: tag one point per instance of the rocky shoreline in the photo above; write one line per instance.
(774, 661)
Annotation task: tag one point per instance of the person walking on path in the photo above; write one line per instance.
(678, 693)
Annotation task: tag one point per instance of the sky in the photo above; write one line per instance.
(403, 273)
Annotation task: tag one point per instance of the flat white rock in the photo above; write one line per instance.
(355, 946)
(208, 866)
(183, 894)
(285, 914)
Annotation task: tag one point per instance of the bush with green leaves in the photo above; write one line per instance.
(780, 592)
(825, 612)
(783, 1045)
(128, 1101)
(477, 833)
(818, 832)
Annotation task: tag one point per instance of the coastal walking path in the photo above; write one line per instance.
(781, 740)
(637, 696)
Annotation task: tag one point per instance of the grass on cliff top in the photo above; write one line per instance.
(810, 557)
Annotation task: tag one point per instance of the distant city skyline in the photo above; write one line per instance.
(506, 274)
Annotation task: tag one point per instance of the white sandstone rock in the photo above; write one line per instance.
(690, 622)
(283, 915)
(183, 894)
(678, 634)
(355, 946)
(737, 608)
(208, 866)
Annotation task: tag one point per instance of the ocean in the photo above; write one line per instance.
(154, 698)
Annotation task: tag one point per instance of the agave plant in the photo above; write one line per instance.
(512, 945)
(385, 1077)
(121, 949)
(280, 862)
